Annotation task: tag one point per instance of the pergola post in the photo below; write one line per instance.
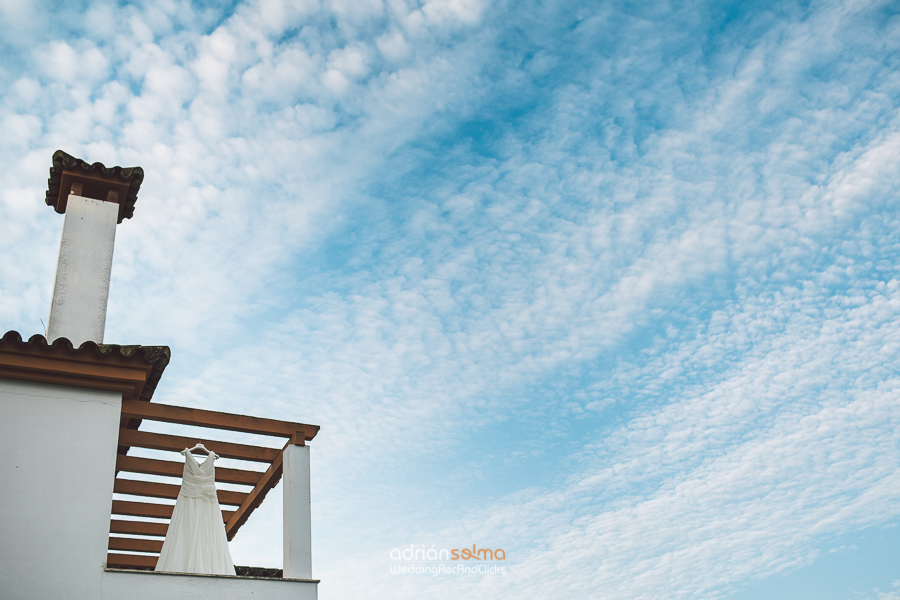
(297, 516)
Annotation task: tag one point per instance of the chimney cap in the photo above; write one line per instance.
(97, 182)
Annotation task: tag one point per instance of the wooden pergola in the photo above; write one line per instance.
(237, 505)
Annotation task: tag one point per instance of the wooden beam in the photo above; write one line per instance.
(131, 561)
(255, 497)
(165, 490)
(135, 544)
(174, 443)
(75, 370)
(151, 466)
(145, 488)
(137, 409)
(142, 509)
(138, 527)
(156, 511)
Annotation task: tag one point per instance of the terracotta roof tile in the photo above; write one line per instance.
(100, 178)
(156, 356)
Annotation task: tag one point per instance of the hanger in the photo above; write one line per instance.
(199, 446)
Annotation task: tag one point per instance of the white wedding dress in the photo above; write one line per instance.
(195, 541)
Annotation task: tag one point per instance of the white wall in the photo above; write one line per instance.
(57, 466)
(297, 515)
(81, 290)
(119, 585)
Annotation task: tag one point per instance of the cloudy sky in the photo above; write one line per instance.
(611, 285)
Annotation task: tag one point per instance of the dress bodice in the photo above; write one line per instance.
(199, 479)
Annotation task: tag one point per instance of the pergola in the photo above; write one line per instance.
(241, 504)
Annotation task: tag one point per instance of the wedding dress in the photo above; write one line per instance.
(195, 541)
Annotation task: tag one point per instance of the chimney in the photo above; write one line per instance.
(94, 199)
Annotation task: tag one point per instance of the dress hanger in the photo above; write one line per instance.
(200, 446)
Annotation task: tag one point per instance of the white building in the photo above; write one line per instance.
(71, 410)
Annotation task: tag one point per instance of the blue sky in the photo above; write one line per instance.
(613, 286)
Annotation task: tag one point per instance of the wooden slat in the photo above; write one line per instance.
(138, 527)
(174, 443)
(158, 511)
(131, 561)
(142, 509)
(165, 490)
(255, 497)
(146, 488)
(139, 409)
(151, 466)
(135, 544)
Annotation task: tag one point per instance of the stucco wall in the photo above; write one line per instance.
(297, 515)
(121, 585)
(78, 309)
(57, 466)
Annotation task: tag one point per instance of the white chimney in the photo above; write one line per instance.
(94, 199)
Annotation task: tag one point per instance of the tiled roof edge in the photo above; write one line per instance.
(151, 354)
(157, 356)
(64, 161)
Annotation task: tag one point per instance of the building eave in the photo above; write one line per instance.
(133, 371)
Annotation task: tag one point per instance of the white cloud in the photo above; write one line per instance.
(357, 12)
(351, 61)
(60, 62)
(442, 11)
(393, 46)
(19, 130)
(290, 75)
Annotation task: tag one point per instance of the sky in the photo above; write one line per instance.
(612, 285)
